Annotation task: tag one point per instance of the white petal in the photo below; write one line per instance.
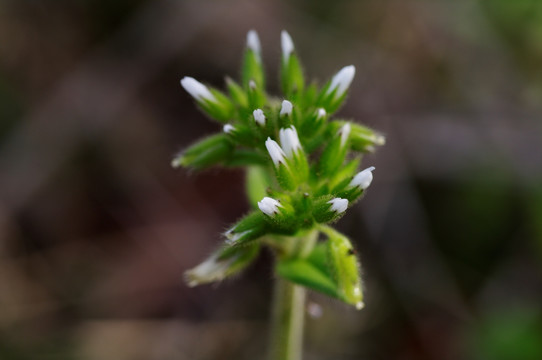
(287, 45)
(269, 206)
(338, 205)
(286, 108)
(363, 179)
(259, 116)
(289, 140)
(275, 151)
(253, 42)
(321, 113)
(342, 80)
(197, 89)
(228, 128)
(345, 133)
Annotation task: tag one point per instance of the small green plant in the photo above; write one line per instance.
(302, 175)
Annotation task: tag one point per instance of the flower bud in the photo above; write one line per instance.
(332, 96)
(291, 74)
(225, 262)
(211, 101)
(269, 206)
(252, 63)
(249, 228)
(212, 150)
(259, 116)
(287, 45)
(286, 108)
(344, 267)
(363, 179)
(327, 209)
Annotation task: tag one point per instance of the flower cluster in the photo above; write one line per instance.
(302, 171)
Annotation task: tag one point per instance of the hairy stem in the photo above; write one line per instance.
(287, 323)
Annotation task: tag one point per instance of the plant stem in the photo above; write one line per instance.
(287, 323)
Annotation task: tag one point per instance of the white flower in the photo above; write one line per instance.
(338, 205)
(253, 42)
(287, 45)
(363, 179)
(269, 206)
(289, 141)
(228, 128)
(286, 108)
(321, 113)
(275, 151)
(197, 89)
(344, 131)
(252, 85)
(259, 116)
(342, 80)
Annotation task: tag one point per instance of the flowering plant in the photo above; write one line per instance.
(302, 175)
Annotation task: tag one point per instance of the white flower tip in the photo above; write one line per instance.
(275, 151)
(228, 128)
(196, 89)
(363, 179)
(289, 140)
(253, 42)
(252, 84)
(338, 205)
(259, 116)
(321, 113)
(344, 131)
(287, 45)
(342, 80)
(286, 108)
(269, 206)
(360, 305)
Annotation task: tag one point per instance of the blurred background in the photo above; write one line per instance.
(96, 229)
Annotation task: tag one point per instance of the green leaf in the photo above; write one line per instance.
(311, 272)
(225, 262)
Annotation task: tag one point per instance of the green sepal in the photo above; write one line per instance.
(245, 157)
(344, 267)
(362, 138)
(252, 69)
(285, 178)
(321, 210)
(238, 95)
(291, 75)
(333, 156)
(258, 181)
(221, 108)
(328, 101)
(225, 262)
(251, 227)
(210, 151)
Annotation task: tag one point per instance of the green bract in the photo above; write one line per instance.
(302, 172)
